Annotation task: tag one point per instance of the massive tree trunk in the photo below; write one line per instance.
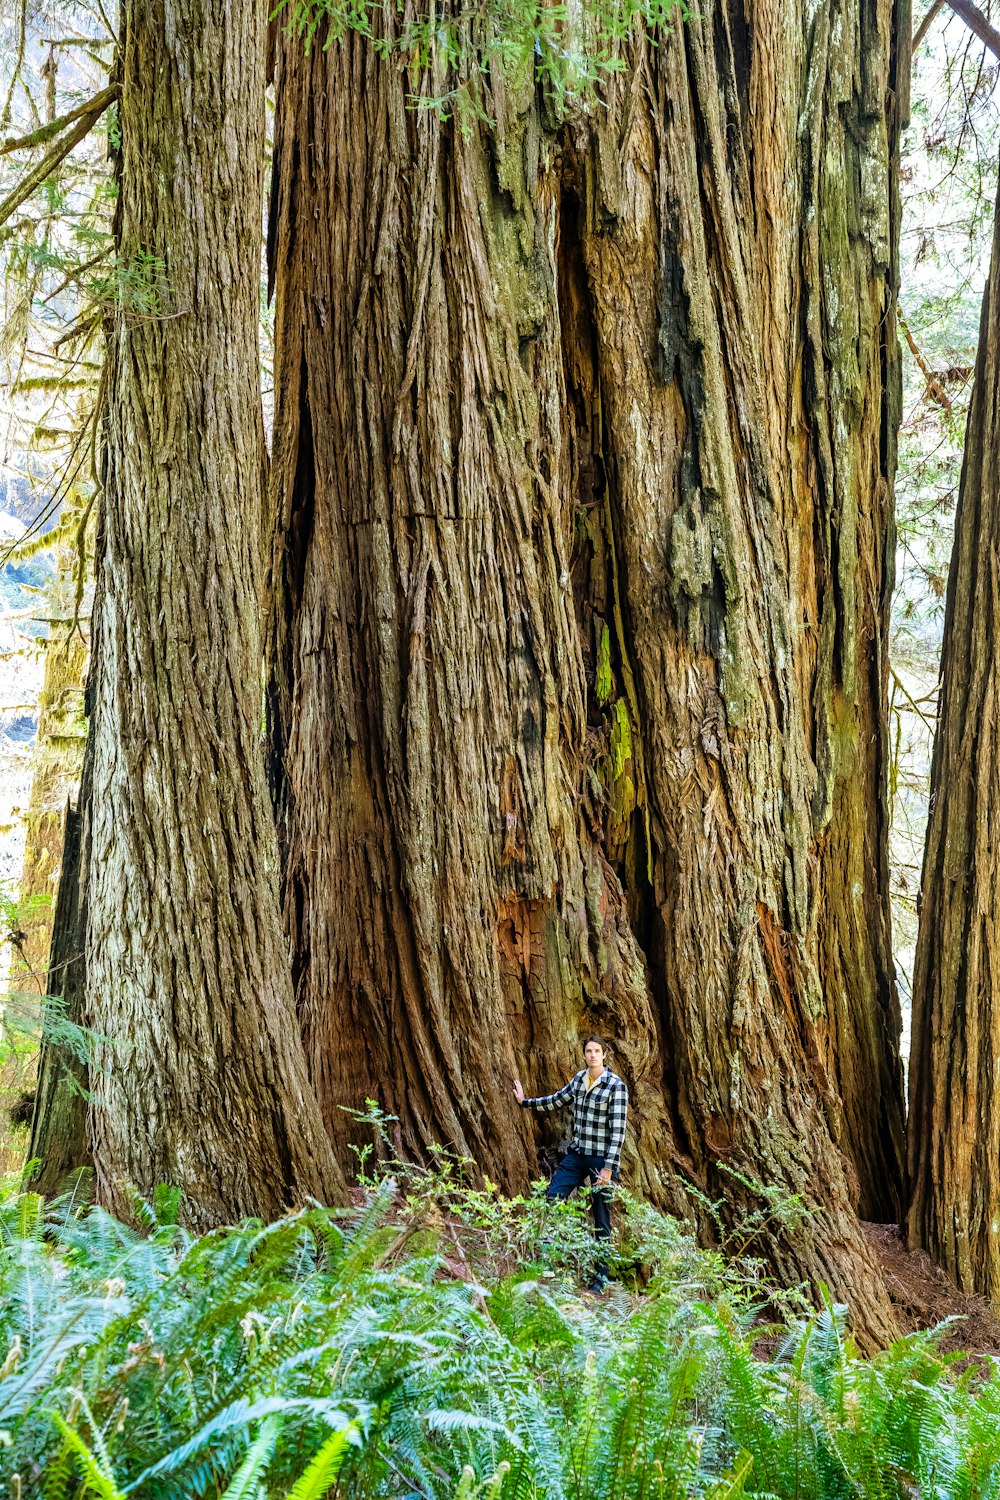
(954, 1124)
(202, 1083)
(582, 484)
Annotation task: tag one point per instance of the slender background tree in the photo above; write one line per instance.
(954, 1123)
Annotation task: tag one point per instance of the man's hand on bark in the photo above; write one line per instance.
(518, 1091)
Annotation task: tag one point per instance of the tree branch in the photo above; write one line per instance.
(970, 14)
(45, 133)
(75, 274)
(62, 148)
(924, 26)
(930, 724)
(934, 386)
(977, 23)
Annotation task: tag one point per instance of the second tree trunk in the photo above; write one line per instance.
(954, 1124)
(200, 1080)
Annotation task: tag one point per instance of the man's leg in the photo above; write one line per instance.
(600, 1199)
(572, 1172)
(576, 1170)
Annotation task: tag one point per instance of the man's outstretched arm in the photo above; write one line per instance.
(617, 1120)
(545, 1103)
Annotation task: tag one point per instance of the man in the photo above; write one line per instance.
(600, 1110)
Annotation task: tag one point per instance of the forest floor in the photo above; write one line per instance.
(924, 1296)
(334, 1322)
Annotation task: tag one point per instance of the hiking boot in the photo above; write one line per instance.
(597, 1285)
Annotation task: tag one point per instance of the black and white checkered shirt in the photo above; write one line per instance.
(599, 1114)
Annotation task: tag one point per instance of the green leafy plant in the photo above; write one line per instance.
(566, 48)
(350, 1354)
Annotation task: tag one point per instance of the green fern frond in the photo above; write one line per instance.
(322, 1471)
(96, 1475)
(244, 1484)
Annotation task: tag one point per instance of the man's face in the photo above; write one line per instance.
(594, 1056)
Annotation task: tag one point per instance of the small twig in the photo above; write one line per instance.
(112, 33)
(54, 501)
(479, 1296)
(397, 1244)
(155, 317)
(62, 359)
(930, 723)
(84, 325)
(934, 386)
(404, 1477)
(76, 274)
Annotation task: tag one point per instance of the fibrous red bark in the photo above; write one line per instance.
(582, 480)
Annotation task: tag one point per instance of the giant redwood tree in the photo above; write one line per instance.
(201, 1078)
(581, 485)
(954, 1125)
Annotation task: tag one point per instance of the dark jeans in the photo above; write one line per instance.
(573, 1171)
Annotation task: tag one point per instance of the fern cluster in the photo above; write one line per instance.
(351, 1355)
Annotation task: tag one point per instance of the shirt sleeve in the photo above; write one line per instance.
(617, 1118)
(548, 1103)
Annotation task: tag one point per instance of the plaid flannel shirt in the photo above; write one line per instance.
(599, 1114)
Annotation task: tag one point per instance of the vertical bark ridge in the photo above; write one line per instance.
(736, 295)
(704, 512)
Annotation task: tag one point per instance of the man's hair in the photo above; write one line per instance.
(588, 1039)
